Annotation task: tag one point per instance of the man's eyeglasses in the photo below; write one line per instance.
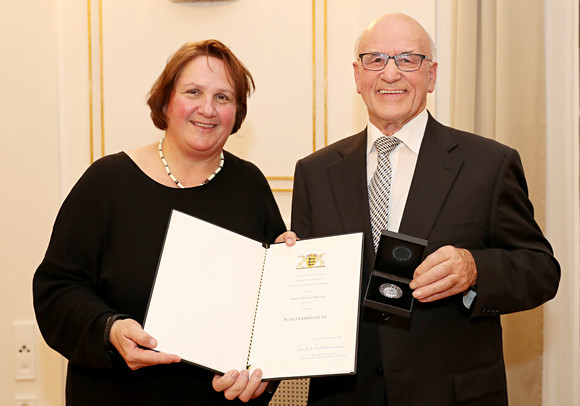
(405, 62)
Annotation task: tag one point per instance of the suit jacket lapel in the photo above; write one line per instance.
(438, 164)
(348, 183)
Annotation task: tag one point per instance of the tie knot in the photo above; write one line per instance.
(385, 144)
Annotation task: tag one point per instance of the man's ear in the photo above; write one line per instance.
(432, 77)
(356, 67)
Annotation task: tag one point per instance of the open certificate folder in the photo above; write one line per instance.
(223, 301)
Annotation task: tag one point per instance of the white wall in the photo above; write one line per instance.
(283, 118)
(47, 124)
(562, 315)
(29, 164)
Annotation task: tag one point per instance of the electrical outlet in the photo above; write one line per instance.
(25, 350)
(25, 401)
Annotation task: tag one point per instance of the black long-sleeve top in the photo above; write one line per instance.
(102, 258)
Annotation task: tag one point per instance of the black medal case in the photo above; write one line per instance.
(398, 255)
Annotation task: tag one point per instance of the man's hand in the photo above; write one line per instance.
(240, 385)
(446, 272)
(289, 237)
(127, 335)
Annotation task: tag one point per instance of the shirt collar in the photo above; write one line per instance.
(411, 134)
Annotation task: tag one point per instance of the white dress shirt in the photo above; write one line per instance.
(403, 161)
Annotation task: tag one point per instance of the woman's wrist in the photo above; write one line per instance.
(110, 321)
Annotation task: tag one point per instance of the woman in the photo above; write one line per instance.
(92, 288)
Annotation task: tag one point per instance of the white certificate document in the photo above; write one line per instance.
(223, 301)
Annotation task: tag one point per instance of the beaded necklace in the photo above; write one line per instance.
(174, 179)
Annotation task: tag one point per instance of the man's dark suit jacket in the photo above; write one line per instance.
(469, 192)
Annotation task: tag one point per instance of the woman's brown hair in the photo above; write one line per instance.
(238, 74)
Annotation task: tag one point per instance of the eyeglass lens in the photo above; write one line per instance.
(405, 62)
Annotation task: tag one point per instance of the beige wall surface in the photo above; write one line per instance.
(562, 315)
(29, 163)
(303, 77)
(138, 40)
(75, 79)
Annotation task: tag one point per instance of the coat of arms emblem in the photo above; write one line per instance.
(310, 261)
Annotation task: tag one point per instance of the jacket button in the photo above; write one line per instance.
(379, 371)
(385, 316)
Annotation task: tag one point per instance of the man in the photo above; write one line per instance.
(463, 193)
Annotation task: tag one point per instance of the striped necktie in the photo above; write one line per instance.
(380, 187)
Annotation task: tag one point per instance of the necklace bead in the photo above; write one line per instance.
(174, 179)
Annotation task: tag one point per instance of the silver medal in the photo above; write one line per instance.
(390, 291)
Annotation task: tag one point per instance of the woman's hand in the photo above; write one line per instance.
(127, 336)
(289, 237)
(240, 385)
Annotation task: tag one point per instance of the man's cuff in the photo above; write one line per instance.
(469, 297)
